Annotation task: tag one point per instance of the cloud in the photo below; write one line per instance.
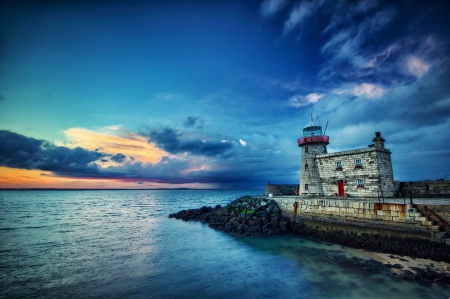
(112, 140)
(18, 151)
(299, 13)
(346, 45)
(289, 86)
(299, 100)
(416, 66)
(169, 140)
(192, 122)
(271, 7)
(379, 58)
(242, 142)
(371, 91)
(118, 158)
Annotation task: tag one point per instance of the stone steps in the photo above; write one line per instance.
(429, 220)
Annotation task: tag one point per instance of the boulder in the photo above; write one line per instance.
(274, 222)
(262, 214)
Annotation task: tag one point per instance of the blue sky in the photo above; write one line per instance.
(214, 94)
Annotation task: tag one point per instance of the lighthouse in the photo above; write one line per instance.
(313, 143)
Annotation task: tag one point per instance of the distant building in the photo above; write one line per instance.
(360, 172)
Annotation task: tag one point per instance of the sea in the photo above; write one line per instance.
(121, 244)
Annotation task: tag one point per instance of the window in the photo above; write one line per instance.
(306, 149)
(306, 167)
(360, 183)
(358, 163)
(306, 186)
(339, 164)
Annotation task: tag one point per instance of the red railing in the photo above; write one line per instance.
(321, 138)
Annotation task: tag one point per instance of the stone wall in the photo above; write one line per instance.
(280, 190)
(426, 188)
(375, 172)
(403, 220)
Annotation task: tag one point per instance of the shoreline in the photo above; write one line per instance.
(428, 262)
(418, 269)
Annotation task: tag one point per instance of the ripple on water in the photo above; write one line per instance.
(80, 244)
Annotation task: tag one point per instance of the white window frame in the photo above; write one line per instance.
(360, 183)
(306, 187)
(360, 162)
(338, 164)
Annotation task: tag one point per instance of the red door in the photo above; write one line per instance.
(341, 191)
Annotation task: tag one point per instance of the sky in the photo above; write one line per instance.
(214, 94)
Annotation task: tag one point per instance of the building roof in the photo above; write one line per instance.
(313, 123)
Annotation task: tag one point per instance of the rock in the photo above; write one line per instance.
(274, 222)
(262, 214)
(260, 208)
(205, 209)
(236, 224)
(241, 229)
(273, 215)
(266, 226)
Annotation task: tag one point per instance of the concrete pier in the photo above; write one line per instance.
(424, 219)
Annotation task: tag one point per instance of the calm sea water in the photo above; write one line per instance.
(120, 244)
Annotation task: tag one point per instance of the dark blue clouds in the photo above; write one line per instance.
(170, 141)
(118, 158)
(18, 151)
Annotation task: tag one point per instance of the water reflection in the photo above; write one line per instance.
(335, 271)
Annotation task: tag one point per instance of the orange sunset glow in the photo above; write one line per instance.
(108, 141)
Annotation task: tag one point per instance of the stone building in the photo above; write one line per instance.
(360, 172)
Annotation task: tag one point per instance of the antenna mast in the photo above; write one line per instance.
(325, 128)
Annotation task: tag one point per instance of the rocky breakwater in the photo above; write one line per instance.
(259, 216)
(248, 216)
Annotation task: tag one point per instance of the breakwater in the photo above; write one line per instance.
(261, 216)
(385, 219)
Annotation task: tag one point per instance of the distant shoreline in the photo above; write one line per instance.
(100, 189)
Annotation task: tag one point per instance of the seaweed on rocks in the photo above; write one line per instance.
(248, 215)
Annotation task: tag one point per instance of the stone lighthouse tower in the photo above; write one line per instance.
(312, 143)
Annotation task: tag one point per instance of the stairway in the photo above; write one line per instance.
(437, 224)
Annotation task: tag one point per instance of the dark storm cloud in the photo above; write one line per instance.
(169, 141)
(118, 158)
(18, 151)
